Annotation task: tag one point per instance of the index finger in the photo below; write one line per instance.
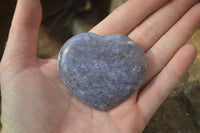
(127, 16)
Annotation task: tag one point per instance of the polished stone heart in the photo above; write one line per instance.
(101, 71)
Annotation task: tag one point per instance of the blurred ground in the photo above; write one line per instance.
(64, 18)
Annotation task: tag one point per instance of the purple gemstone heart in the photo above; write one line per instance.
(101, 71)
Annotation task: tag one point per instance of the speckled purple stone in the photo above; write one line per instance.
(101, 71)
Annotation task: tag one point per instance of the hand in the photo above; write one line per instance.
(34, 100)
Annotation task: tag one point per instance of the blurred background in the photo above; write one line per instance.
(62, 19)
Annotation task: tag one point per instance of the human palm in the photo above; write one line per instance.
(34, 99)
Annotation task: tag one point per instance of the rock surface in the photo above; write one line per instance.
(180, 113)
(101, 71)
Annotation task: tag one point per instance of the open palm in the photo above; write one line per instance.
(34, 100)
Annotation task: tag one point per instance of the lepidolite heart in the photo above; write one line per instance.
(101, 71)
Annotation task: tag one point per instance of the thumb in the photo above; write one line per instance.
(24, 30)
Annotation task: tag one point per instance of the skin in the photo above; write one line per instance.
(34, 100)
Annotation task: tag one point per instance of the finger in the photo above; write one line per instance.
(24, 29)
(160, 87)
(158, 56)
(127, 16)
(149, 31)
